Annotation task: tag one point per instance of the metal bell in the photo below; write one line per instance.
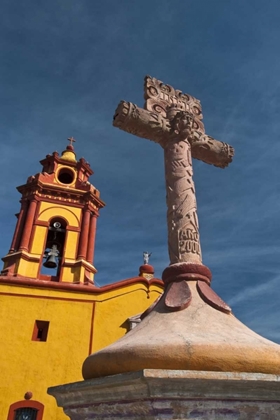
(51, 258)
(50, 262)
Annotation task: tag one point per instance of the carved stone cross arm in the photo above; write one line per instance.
(152, 126)
(173, 120)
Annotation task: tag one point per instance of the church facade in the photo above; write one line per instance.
(53, 315)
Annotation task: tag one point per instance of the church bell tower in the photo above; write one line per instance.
(55, 232)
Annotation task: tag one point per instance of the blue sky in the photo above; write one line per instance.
(65, 65)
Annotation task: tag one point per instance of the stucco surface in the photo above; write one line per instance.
(79, 323)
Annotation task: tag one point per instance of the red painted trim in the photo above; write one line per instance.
(74, 202)
(41, 223)
(91, 239)
(37, 211)
(130, 281)
(186, 271)
(146, 268)
(19, 217)
(76, 246)
(47, 277)
(28, 224)
(45, 240)
(83, 243)
(20, 225)
(43, 189)
(47, 224)
(26, 404)
(73, 229)
(91, 329)
(83, 165)
(79, 287)
(19, 254)
(62, 202)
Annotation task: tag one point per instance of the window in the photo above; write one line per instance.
(26, 410)
(26, 413)
(40, 331)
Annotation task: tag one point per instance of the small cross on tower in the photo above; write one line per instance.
(72, 140)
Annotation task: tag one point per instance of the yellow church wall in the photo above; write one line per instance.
(71, 244)
(28, 268)
(112, 312)
(72, 274)
(38, 242)
(30, 365)
(48, 211)
(80, 323)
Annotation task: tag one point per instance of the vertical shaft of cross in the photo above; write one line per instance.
(182, 221)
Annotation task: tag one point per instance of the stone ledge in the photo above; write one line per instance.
(156, 394)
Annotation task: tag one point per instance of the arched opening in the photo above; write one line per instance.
(54, 249)
(66, 176)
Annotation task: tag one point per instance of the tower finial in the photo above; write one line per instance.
(72, 140)
(146, 256)
(69, 153)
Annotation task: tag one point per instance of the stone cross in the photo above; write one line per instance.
(174, 120)
(72, 140)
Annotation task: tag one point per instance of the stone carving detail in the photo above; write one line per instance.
(174, 120)
(183, 235)
(153, 127)
(159, 96)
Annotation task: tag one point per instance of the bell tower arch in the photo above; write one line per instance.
(54, 236)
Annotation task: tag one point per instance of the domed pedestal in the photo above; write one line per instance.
(190, 328)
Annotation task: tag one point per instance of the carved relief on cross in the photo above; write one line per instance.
(174, 120)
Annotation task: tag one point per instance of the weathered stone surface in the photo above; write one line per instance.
(199, 337)
(165, 394)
